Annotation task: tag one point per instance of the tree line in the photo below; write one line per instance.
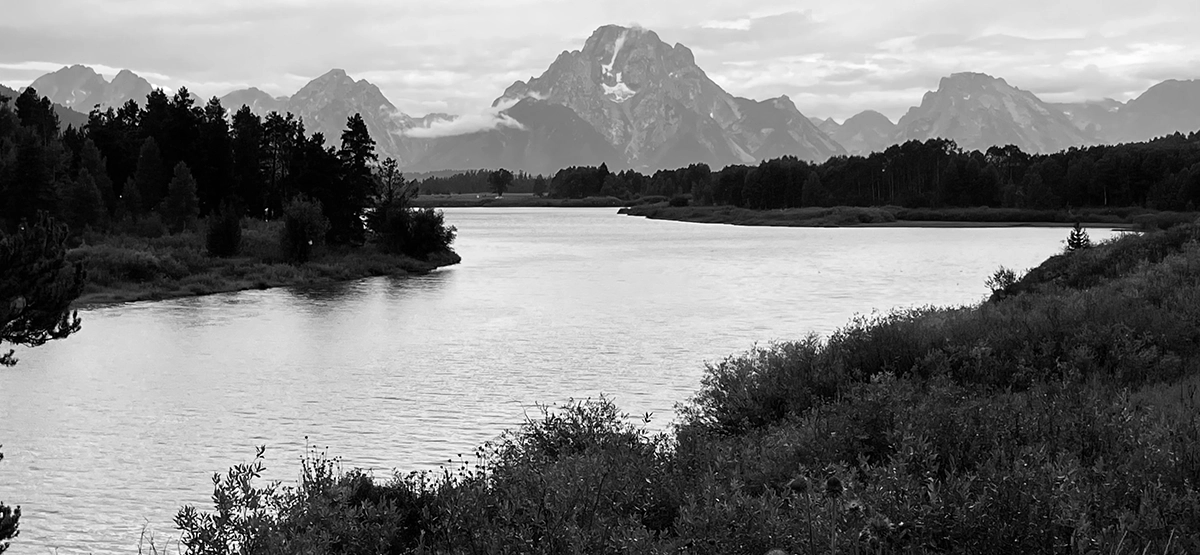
(481, 181)
(177, 163)
(1162, 174)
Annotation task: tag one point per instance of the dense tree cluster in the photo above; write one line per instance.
(1162, 174)
(172, 163)
(477, 181)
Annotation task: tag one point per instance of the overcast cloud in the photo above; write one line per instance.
(833, 58)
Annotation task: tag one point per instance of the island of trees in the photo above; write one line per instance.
(171, 198)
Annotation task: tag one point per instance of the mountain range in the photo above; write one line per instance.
(630, 100)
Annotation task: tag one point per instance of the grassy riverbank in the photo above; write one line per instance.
(1060, 416)
(910, 217)
(122, 268)
(513, 200)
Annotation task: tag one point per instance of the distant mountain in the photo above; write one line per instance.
(656, 107)
(1099, 118)
(829, 126)
(549, 137)
(66, 116)
(979, 111)
(866, 132)
(258, 101)
(326, 102)
(775, 127)
(1163, 109)
(81, 88)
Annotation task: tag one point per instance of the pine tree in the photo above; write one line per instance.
(248, 160)
(181, 208)
(131, 201)
(83, 204)
(1078, 239)
(150, 176)
(91, 160)
(37, 286)
(813, 193)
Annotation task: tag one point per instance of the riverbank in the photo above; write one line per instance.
(1061, 415)
(127, 268)
(894, 216)
(513, 200)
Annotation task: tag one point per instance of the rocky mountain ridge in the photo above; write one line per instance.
(654, 107)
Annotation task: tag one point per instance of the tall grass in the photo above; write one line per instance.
(1060, 417)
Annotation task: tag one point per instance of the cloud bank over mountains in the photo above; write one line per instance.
(831, 58)
(492, 117)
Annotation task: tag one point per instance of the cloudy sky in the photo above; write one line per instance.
(834, 58)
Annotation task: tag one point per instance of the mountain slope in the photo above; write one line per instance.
(258, 101)
(325, 103)
(979, 111)
(1100, 118)
(550, 137)
(865, 132)
(1163, 109)
(66, 116)
(81, 88)
(775, 127)
(657, 107)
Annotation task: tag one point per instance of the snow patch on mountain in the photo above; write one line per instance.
(620, 92)
(620, 42)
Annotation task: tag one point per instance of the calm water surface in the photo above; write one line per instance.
(118, 426)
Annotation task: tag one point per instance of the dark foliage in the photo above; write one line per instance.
(499, 181)
(304, 229)
(10, 519)
(37, 286)
(476, 181)
(1061, 418)
(1163, 174)
(223, 233)
(180, 208)
(428, 234)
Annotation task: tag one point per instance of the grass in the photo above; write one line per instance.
(896, 216)
(123, 268)
(1060, 416)
(512, 200)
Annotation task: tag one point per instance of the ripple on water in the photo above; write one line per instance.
(117, 427)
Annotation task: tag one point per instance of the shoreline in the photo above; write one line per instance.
(513, 200)
(895, 217)
(315, 273)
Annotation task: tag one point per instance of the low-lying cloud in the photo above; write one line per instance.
(491, 118)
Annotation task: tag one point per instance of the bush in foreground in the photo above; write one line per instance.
(1062, 418)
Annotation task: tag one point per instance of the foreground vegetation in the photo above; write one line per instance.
(1062, 415)
(1139, 218)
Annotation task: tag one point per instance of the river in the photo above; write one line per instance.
(107, 433)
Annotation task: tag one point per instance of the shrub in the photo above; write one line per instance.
(304, 229)
(418, 233)
(428, 233)
(678, 201)
(223, 236)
